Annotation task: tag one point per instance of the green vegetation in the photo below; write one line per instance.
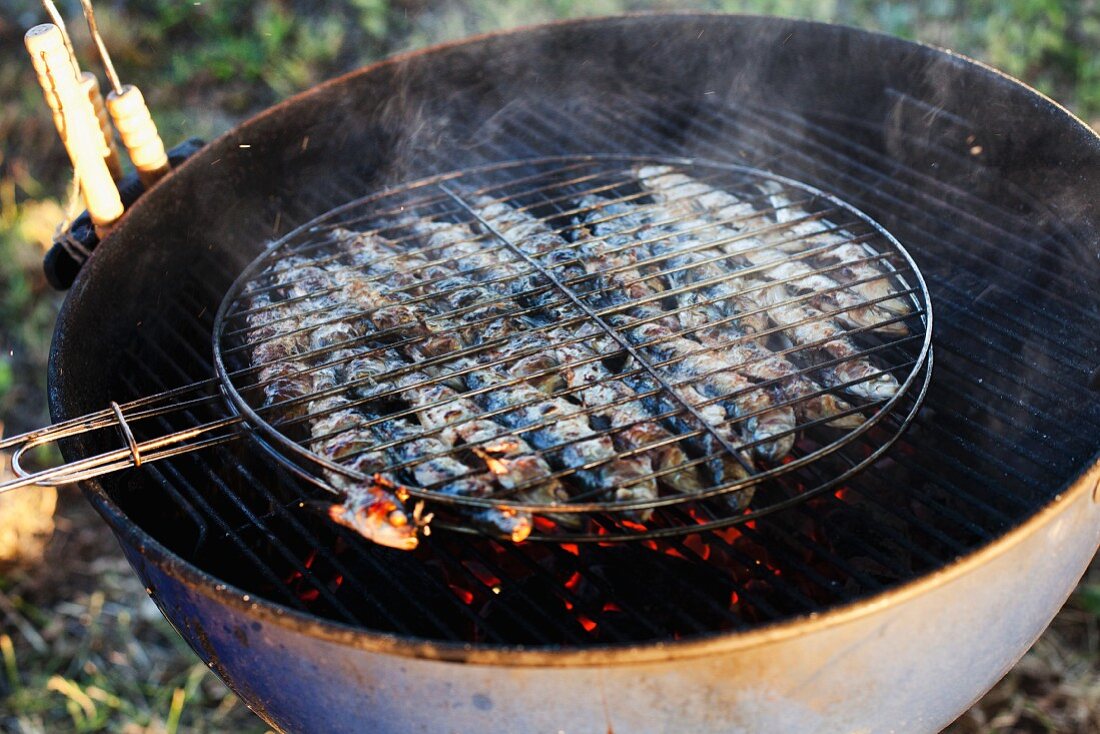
(81, 649)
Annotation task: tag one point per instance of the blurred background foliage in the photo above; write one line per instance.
(81, 648)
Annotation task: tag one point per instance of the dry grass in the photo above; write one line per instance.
(1055, 688)
(26, 524)
(84, 649)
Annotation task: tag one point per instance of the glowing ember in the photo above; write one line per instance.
(674, 552)
(730, 534)
(696, 544)
(481, 573)
(465, 595)
(587, 623)
(544, 524)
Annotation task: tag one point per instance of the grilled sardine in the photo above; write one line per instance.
(687, 198)
(708, 319)
(372, 507)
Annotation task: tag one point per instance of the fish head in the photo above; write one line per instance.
(380, 520)
(517, 525)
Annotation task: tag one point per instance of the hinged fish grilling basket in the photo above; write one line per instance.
(572, 349)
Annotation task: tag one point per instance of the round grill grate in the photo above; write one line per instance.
(581, 349)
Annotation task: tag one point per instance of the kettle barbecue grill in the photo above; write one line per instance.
(882, 586)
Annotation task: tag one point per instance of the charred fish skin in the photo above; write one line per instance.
(515, 463)
(688, 198)
(709, 320)
(613, 400)
(453, 477)
(423, 453)
(538, 240)
(371, 508)
(427, 446)
(768, 428)
(803, 321)
(631, 476)
(457, 418)
(562, 427)
(855, 257)
(338, 324)
(612, 242)
(631, 429)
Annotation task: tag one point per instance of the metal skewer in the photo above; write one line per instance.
(130, 114)
(90, 85)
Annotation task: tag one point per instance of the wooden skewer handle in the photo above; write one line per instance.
(46, 83)
(139, 133)
(80, 129)
(90, 85)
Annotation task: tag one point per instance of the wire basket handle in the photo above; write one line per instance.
(131, 453)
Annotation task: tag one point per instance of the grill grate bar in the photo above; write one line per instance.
(432, 362)
(402, 209)
(537, 632)
(1026, 251)
(170, 471)
(875, 182)
(571, 321)
(630, 373)
(789, 592)
(212, 476)
(635, 615)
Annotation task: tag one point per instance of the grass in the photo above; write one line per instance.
(82, 648)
